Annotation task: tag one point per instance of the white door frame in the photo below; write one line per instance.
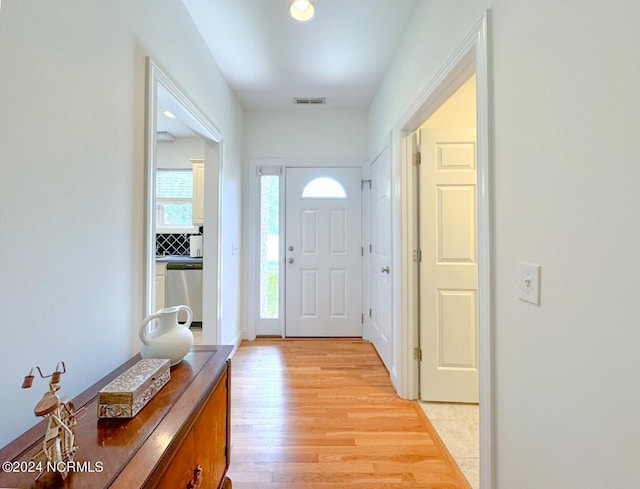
(470, 56)
(275, 326)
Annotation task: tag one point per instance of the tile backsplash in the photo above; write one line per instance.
(173, 244)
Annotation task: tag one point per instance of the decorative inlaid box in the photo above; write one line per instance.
(126, 395)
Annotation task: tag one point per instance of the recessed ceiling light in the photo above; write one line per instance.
(302, 10)
(169, 114)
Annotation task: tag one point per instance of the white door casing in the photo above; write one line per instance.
(322, 255)
(449, 267)
(381, 272)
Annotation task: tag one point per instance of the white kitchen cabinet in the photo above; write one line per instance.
(161, 285)
(198, 193)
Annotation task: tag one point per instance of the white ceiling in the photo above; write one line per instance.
(268, 58)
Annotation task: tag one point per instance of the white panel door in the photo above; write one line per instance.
(323, 259)
(449, 268)
(381, 272)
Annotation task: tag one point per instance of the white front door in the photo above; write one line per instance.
(322, 252)
(449, 268)
(381, 272)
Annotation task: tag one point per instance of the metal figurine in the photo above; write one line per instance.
(58, 446)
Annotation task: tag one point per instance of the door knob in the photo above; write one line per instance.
(290, 260)
(290, 248)
(385, 269)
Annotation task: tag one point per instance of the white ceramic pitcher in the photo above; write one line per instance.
(169, 339)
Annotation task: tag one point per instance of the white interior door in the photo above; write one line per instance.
(323, 259)
(449, 268)
(381, 272)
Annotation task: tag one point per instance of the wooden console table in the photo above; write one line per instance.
(179, 440)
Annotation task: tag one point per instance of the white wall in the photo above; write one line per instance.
(72, 101)
(459, 111)
(231, 283)
(306, 133)
(179, 153)
(565, 176)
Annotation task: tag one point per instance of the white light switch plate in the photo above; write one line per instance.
(529, 282)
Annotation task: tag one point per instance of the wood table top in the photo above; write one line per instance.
(124, 452)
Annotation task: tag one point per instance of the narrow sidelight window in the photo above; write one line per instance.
(269, 246)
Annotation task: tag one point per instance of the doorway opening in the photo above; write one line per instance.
(181, 201)
(468, 59)
(446, 223)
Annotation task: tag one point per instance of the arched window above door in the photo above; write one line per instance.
(324, 188)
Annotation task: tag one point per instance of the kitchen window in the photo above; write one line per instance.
(174, 201)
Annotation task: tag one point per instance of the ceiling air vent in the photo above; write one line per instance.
(309, 101)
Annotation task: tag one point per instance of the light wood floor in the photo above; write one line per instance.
(322, 414)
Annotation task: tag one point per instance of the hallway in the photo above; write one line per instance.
(322, 414)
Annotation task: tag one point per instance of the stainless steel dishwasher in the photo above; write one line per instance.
(184, 286)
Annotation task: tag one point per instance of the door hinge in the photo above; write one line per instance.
(362, 251)
(365, 182)
(370, 313)
(417, 159)
(370, 248)
(417, 256)
(417, 354)
(362, 320)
